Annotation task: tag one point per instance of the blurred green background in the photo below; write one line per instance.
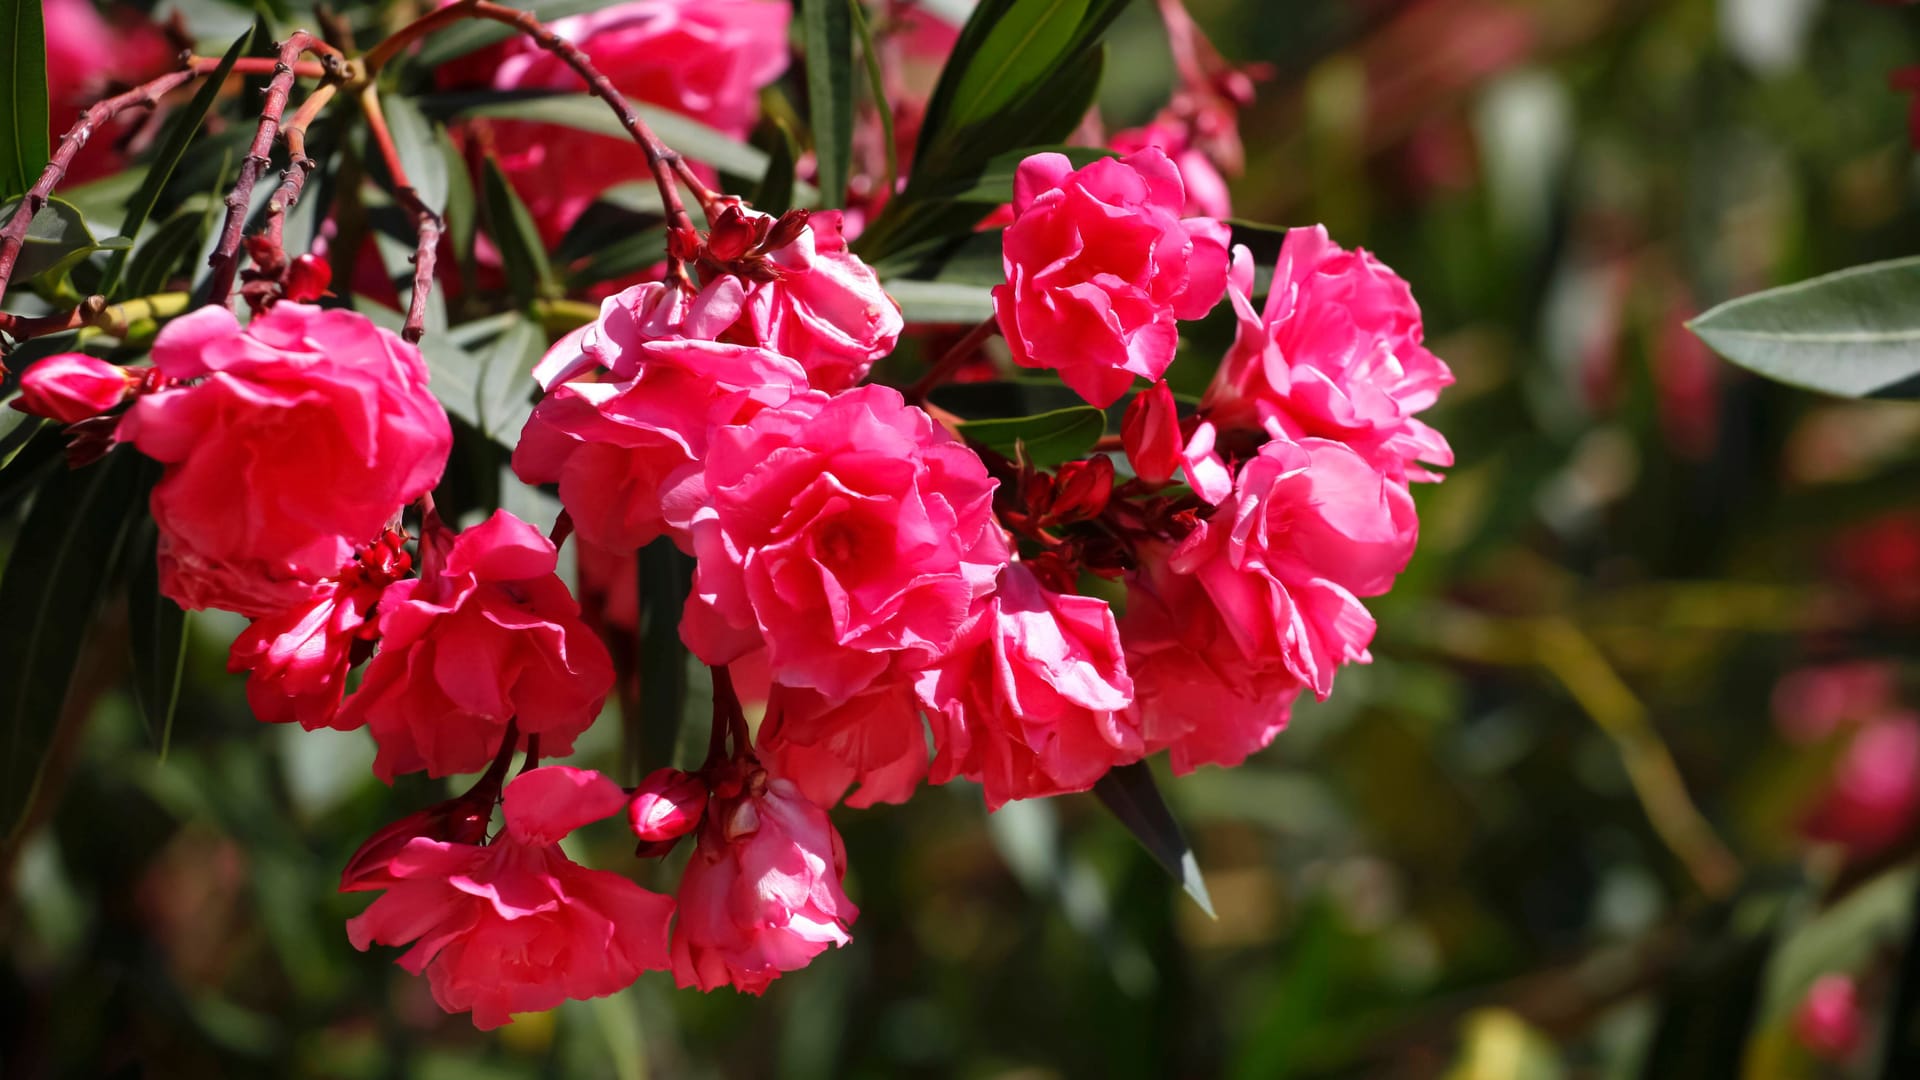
(1554, 829)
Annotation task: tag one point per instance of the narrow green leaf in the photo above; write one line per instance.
(665, 578)
(827, 33)
(1131, 794)
(972, 258)
(1264, 241)
(1046, 440)
(462, 38)
(1855, 333)
(157, 639)
(511, 226)
(877, 86)
(774, 195)
(181, 129)
(505, 391)
(53, 583)
(1026, 42)
(993, 186)
(23, 94)
(463, 208)
(941, 302)
(175, 241)
(57, 232)
(1900, 1045)
(418, 141)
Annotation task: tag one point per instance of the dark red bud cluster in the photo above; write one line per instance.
(737, 242)
(273, 277)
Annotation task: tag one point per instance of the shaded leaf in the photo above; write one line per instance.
(58, 232)
(877, 87)
(505, 390)
(941, 302)
(418, 141)
(464, 37)
(157, 639)
(774, 193)
(23, 92)
(1024, 42)
(511, 226)
(1131, 794)
(666, 577)
(53, 583)
(1047, 439)
(177, 240)
(1855, 333)
(993, 185)
(1263, 241)
(826, 28)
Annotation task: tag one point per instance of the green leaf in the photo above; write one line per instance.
(972, 258)
(463, 209)
(666, 577)
(1047, 439)
(157, 637)
(464, 37)
(877, 87)
(774, 195)
(1025, 43)
(176, 240)
(23, 88)
(418, 141)
(513, 231)
(54, 581)
(941, 302)
(993, 185)
(58, 232)
(827, 34)
(1855, 333)
(181, 129)
(1131, 794)
(504, 395)
(1264, 241)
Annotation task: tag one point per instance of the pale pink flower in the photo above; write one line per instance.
(290, 444)
(1099, 265)
(1336, 354)
(1206, 188)
(71, 387)
(850, 536)
(1828, 1020)
(762, 894)
(1264, 596)
(874, 739)
(1034, 700)
(515, 926)
(486, 635)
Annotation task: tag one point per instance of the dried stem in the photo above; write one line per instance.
(225, 259)
(427, 225)
(299, 165)
(13, 236)
(951, 361)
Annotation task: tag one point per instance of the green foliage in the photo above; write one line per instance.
(1046, 439)
(1855, 332)
(23, 128)
(827, 35)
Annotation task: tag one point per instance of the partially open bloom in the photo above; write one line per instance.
(1034, 700)
(298, 658)
(487, 634)
(874, 739)
(825, 308)
(668, 804)
(849, 535)
(71, 387)
(706, 59)
(1336, 354)
(1099, 266)
(1156, 449)
(611, 446)
(515, 926)
(762, 894)
(1264, 596)
(290, 444)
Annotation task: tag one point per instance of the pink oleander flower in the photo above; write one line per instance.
(1263, 598)
(464, 819)
(290, 444)
(72, 387)
(874, 739)
(825, 308)
(667, 805)
(1034, 700)
(850, 536)
(486, 635)
(1873, 797)
(515, 926)
(1336, 354)
(1206, 188)
(611, 446)
(762, 894)
(1099, 266)
(299, 658)
(88, 57)
(1828, 1020)
(1150, 433)
(704, 59)
(637, 320)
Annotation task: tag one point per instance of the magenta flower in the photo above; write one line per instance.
(667, 805)
(1828, 1020)
(874, 739)
(762, 894)
(488, 635)
(1099, 266)
(825, 308)
(292, 443)
(71, 387)
(1336, 354)
(1206, 189)
(515, 926)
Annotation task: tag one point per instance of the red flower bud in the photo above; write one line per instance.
(1083, 489)
(71, 387)
(1828, 1020)
(731, 235)
(456, 821)
(683, 244)
(1151, 434)
(307, 279)
(667, 805)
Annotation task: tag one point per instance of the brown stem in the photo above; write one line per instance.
(949, 363)
(13, 237)
(299, 165)
(23, 327)
(427, 224)
(256, 65)
(225, 259)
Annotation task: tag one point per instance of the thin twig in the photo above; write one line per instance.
(225, 259)
(299, 165)
(951, 361)
(427, 225)
(13, 237)
(256, 65)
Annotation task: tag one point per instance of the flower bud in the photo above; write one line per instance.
(1828, 1020)
(667, 805)
(731, 236)
(1083, 489)
(71, 387)
(457, 821)
(1151, 434)
(307, 279)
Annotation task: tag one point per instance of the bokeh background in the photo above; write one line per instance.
(1631, 770)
